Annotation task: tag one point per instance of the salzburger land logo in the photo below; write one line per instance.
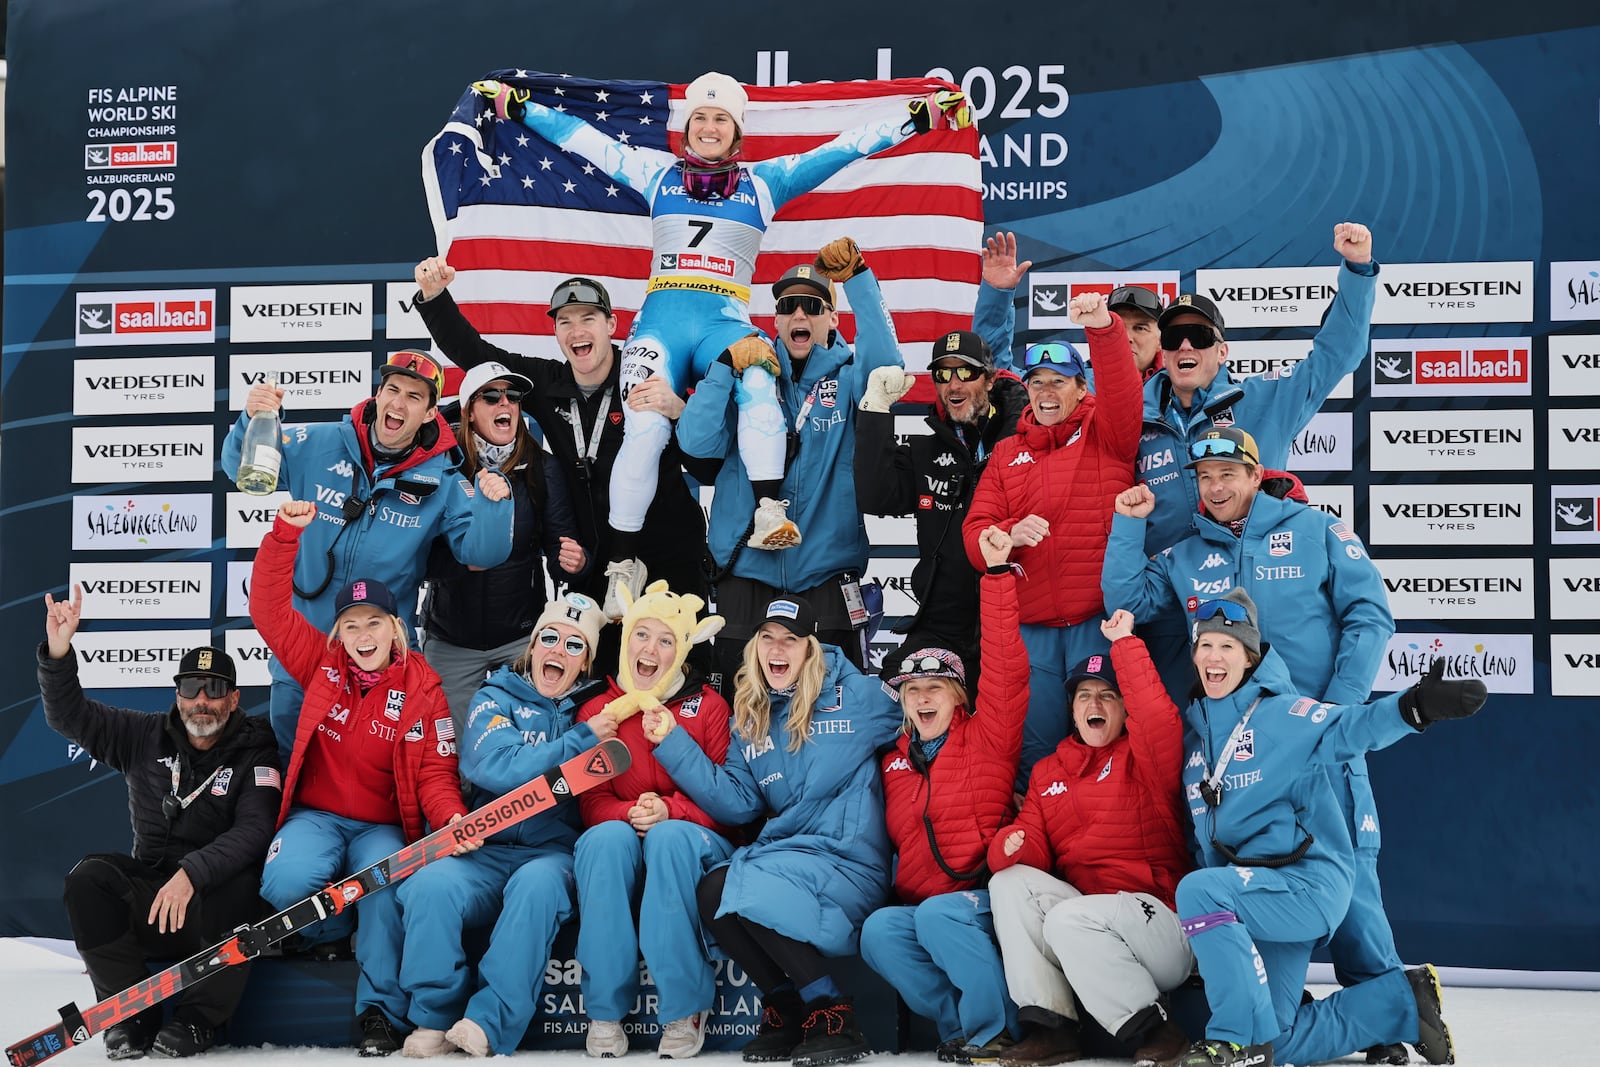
(1574, 365)
(1470, 514)
(1452, 440)
(1575, 291)
(1050, 293)
(1270, 296)
(147, 317)
(1410, 293)
(144, 590)
(1574, 439)
(1503, 662)
(1324, 444)
(141, 522)
(300, 313)
(1458, 588)
(1497, 367)
(1575, 588)
(139, 386)
(1575, 514)
(131, 155)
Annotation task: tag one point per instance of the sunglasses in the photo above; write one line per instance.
(1135, 296)
(1198, 334)
(576, 292)
(1222, 446)
(811, 305)
(963, 372)
(493, 396)
(1228, 609)
(574, 646)
(190, 686)
(1055, 355)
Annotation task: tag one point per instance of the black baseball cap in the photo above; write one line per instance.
(1191, 302)
(1137, 297)
(964, 345)
(585, 292)
(1097, 667)
(809, 276)
(207, 662)
(368, 591)
(793, 614)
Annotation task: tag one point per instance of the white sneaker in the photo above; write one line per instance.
(423, 1043)
(629, 574)
(469, 1037)
(683, 1038)
(772, 527)
(606, 1040)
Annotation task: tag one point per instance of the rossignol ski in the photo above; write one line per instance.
(600, 763)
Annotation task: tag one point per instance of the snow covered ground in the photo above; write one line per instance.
(1492, 1027)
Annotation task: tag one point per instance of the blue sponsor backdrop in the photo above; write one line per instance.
(281, 146)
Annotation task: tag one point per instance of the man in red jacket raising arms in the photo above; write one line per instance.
(1102, 812)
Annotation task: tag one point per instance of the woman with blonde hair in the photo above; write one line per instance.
(373, 764)
(807, 726)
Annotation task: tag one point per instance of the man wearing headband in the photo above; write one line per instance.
(385, 484)
(203, 790)
(1325, 612)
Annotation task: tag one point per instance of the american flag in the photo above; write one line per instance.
(915, 210)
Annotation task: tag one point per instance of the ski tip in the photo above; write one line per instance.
(609, 758)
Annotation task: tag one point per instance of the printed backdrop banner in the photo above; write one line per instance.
(202, 193)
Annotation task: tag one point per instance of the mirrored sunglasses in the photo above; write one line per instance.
(921, 664)
(493, 396)
(811, 305)
(1198, 334)
(191, 686)
(964, 372)
(1053, 355)
(573, 646)
(1222, 446)
(1230, 610)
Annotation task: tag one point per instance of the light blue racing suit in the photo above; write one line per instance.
(697, 303)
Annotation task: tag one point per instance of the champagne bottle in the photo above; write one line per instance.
(262, 454)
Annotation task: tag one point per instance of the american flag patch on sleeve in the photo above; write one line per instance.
(1342, 532)
(269, 778)
(445, 728)
(466, 487)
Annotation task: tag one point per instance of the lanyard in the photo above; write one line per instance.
(1212, 785)
(592, 449)
(805, 408)
(184, 802)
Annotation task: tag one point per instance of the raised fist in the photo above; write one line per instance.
(433, 275)
(1089, 309)
(885, 386)
(840, 260)
(1353, 241)
(1136, 502)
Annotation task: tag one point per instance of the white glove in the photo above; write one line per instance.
(885, 386)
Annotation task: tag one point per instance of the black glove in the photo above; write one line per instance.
(1433, 698)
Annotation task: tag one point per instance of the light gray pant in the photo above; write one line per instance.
(1115, 953)
(462, 671)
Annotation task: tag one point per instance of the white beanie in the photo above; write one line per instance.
(579, 612)
(716, 90)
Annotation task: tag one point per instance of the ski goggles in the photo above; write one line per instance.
(963, 372)
(418, 366)
(1198, 334)
(573, 646)
(1215, 447)
(1054, 355)
(579, 291)
(811, 305)
(1135, 296)
(1231, 610)
(493, 396)
(192, 685)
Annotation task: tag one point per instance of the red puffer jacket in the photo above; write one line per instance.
(701, 713)
(1070, 475)
(966, 790)
(427, 783)
(1110, 819)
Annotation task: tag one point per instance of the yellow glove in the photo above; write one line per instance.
(943, 109)
(509, 101)
(753, 351)
(840, 260)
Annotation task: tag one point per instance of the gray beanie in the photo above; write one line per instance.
(1211, 617)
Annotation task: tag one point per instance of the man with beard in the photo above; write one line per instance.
(203, 791)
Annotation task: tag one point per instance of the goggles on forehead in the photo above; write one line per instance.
(420, 365)
(1054, 355)
(1198, 334)
(921, 664)
(1222, 446)
(1231, 610)
(964, 372)
(492, 396)
(573, 646)
(191, 686)
(811, 305)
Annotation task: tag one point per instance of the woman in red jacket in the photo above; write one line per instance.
(1104, 814)
(1052, 486)
(947, 789)
(647, 844)
(373, 764)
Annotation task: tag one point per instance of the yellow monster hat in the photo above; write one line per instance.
(679, 614)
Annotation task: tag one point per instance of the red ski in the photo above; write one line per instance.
(606, 760)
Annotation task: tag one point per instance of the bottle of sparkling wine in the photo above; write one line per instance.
(262, 454)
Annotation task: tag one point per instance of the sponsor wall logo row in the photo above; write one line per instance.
(147, 659)
(310, 380)
(1482, 440)
(257, 314)
(159, 590)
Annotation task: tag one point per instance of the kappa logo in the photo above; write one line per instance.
(1245, 874)
(1196, 760)
(944, 459)
(1054, 789)
(1216, 559)
(1280, 543)
(343, 469)
(899, 763)
(1022, 457)
(1149, 914)
(1369, 825)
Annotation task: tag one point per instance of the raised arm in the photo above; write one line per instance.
(293, 640)
(637, 168)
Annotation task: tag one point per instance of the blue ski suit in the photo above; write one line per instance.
(521, 879)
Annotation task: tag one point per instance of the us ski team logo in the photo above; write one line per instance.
(1247, 747)
(1281, 543)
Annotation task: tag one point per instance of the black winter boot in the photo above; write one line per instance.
(782, 1016)
(1433, 1036)
(831, 1034)
(178, 1039)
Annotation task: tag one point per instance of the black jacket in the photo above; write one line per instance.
(485, 609)
(225, 830)
(932, 476)
(674, 539)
